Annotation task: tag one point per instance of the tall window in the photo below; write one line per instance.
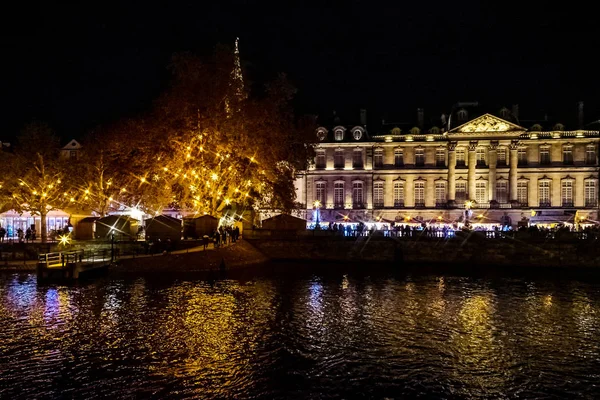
(567, 193)
(419, 156)
(544, 155)
(481, 192)
(338, 195)
(501, 156)
(357, 195)
(357, 158)
(338, 159)
(544, 193)
(481, 157)
(460, 192)
(523, 193)
(501, 191)
(378, 158)
(320, 193)
(460, 157)
(398, 194)
(590, 154)
(320, 162)
(440, 157)
(398, 157)
(568, 154)
(378, 194)
(440, 193)
(591, 196)
(339, 134)
(419, 194)
(522, 156)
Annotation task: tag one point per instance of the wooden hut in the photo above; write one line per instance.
(163, 227)
(85, 228)
(284, 222)
(199, 226)
(123, 227)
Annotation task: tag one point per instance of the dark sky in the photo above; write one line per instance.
(78, 66)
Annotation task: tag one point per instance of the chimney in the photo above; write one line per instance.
(515, 112)
(420, 118)
(580, 115)
(363, 117)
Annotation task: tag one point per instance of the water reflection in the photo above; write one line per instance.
(281, 337)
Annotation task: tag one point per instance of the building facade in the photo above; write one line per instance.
(488, 170)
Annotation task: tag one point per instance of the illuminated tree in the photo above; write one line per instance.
(221, 144)
(36, 174)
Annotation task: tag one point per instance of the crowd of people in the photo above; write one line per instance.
(222, 236)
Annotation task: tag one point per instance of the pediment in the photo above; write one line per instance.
(487, 123)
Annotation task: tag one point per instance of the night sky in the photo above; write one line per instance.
(79, 66)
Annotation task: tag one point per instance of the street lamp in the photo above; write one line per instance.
(468, 205)
(317, 204)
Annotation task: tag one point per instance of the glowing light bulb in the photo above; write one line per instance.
(72, 199)
(87, 191)
(165, 169)
(34, 192)
(143, 180)
(214, 176)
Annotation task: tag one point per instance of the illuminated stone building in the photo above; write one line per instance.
(496, 167)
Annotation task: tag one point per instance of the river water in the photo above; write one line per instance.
(340, 334)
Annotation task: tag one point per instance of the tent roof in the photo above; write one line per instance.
(164, 217)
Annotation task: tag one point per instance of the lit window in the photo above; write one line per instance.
(523, 193)
(544, 193)
(440, 193)
(501, 191)
(480, 192)
(522, 156)
(398, 194)
(320, 193)
(378, 194)
(591, 196)
(567, 193)
(440, 157)
(338, 194)
(501, 156)
(481, 157)
(419, 194)
(357, 195)
(460, 192)
(339, 134)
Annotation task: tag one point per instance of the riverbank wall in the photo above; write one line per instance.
(469, 249)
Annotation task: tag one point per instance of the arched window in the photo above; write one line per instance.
(504, 113)
(462, 114)
(357, 133)
(339, 134)
(415, 131)
(321, 134)
(559, 127)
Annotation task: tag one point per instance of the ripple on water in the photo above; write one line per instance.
(313, 336)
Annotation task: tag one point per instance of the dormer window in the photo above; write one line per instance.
(536, 128)
(396, 131)
(339, 134)
(462, 114)
(415, 131)
(321, 134)
(357, 134)
(559, 127)
(504, 113)
(434, 130)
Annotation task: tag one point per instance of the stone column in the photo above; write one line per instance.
(471, 172)
(492, 161)
(512, 171)
(451, 174)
